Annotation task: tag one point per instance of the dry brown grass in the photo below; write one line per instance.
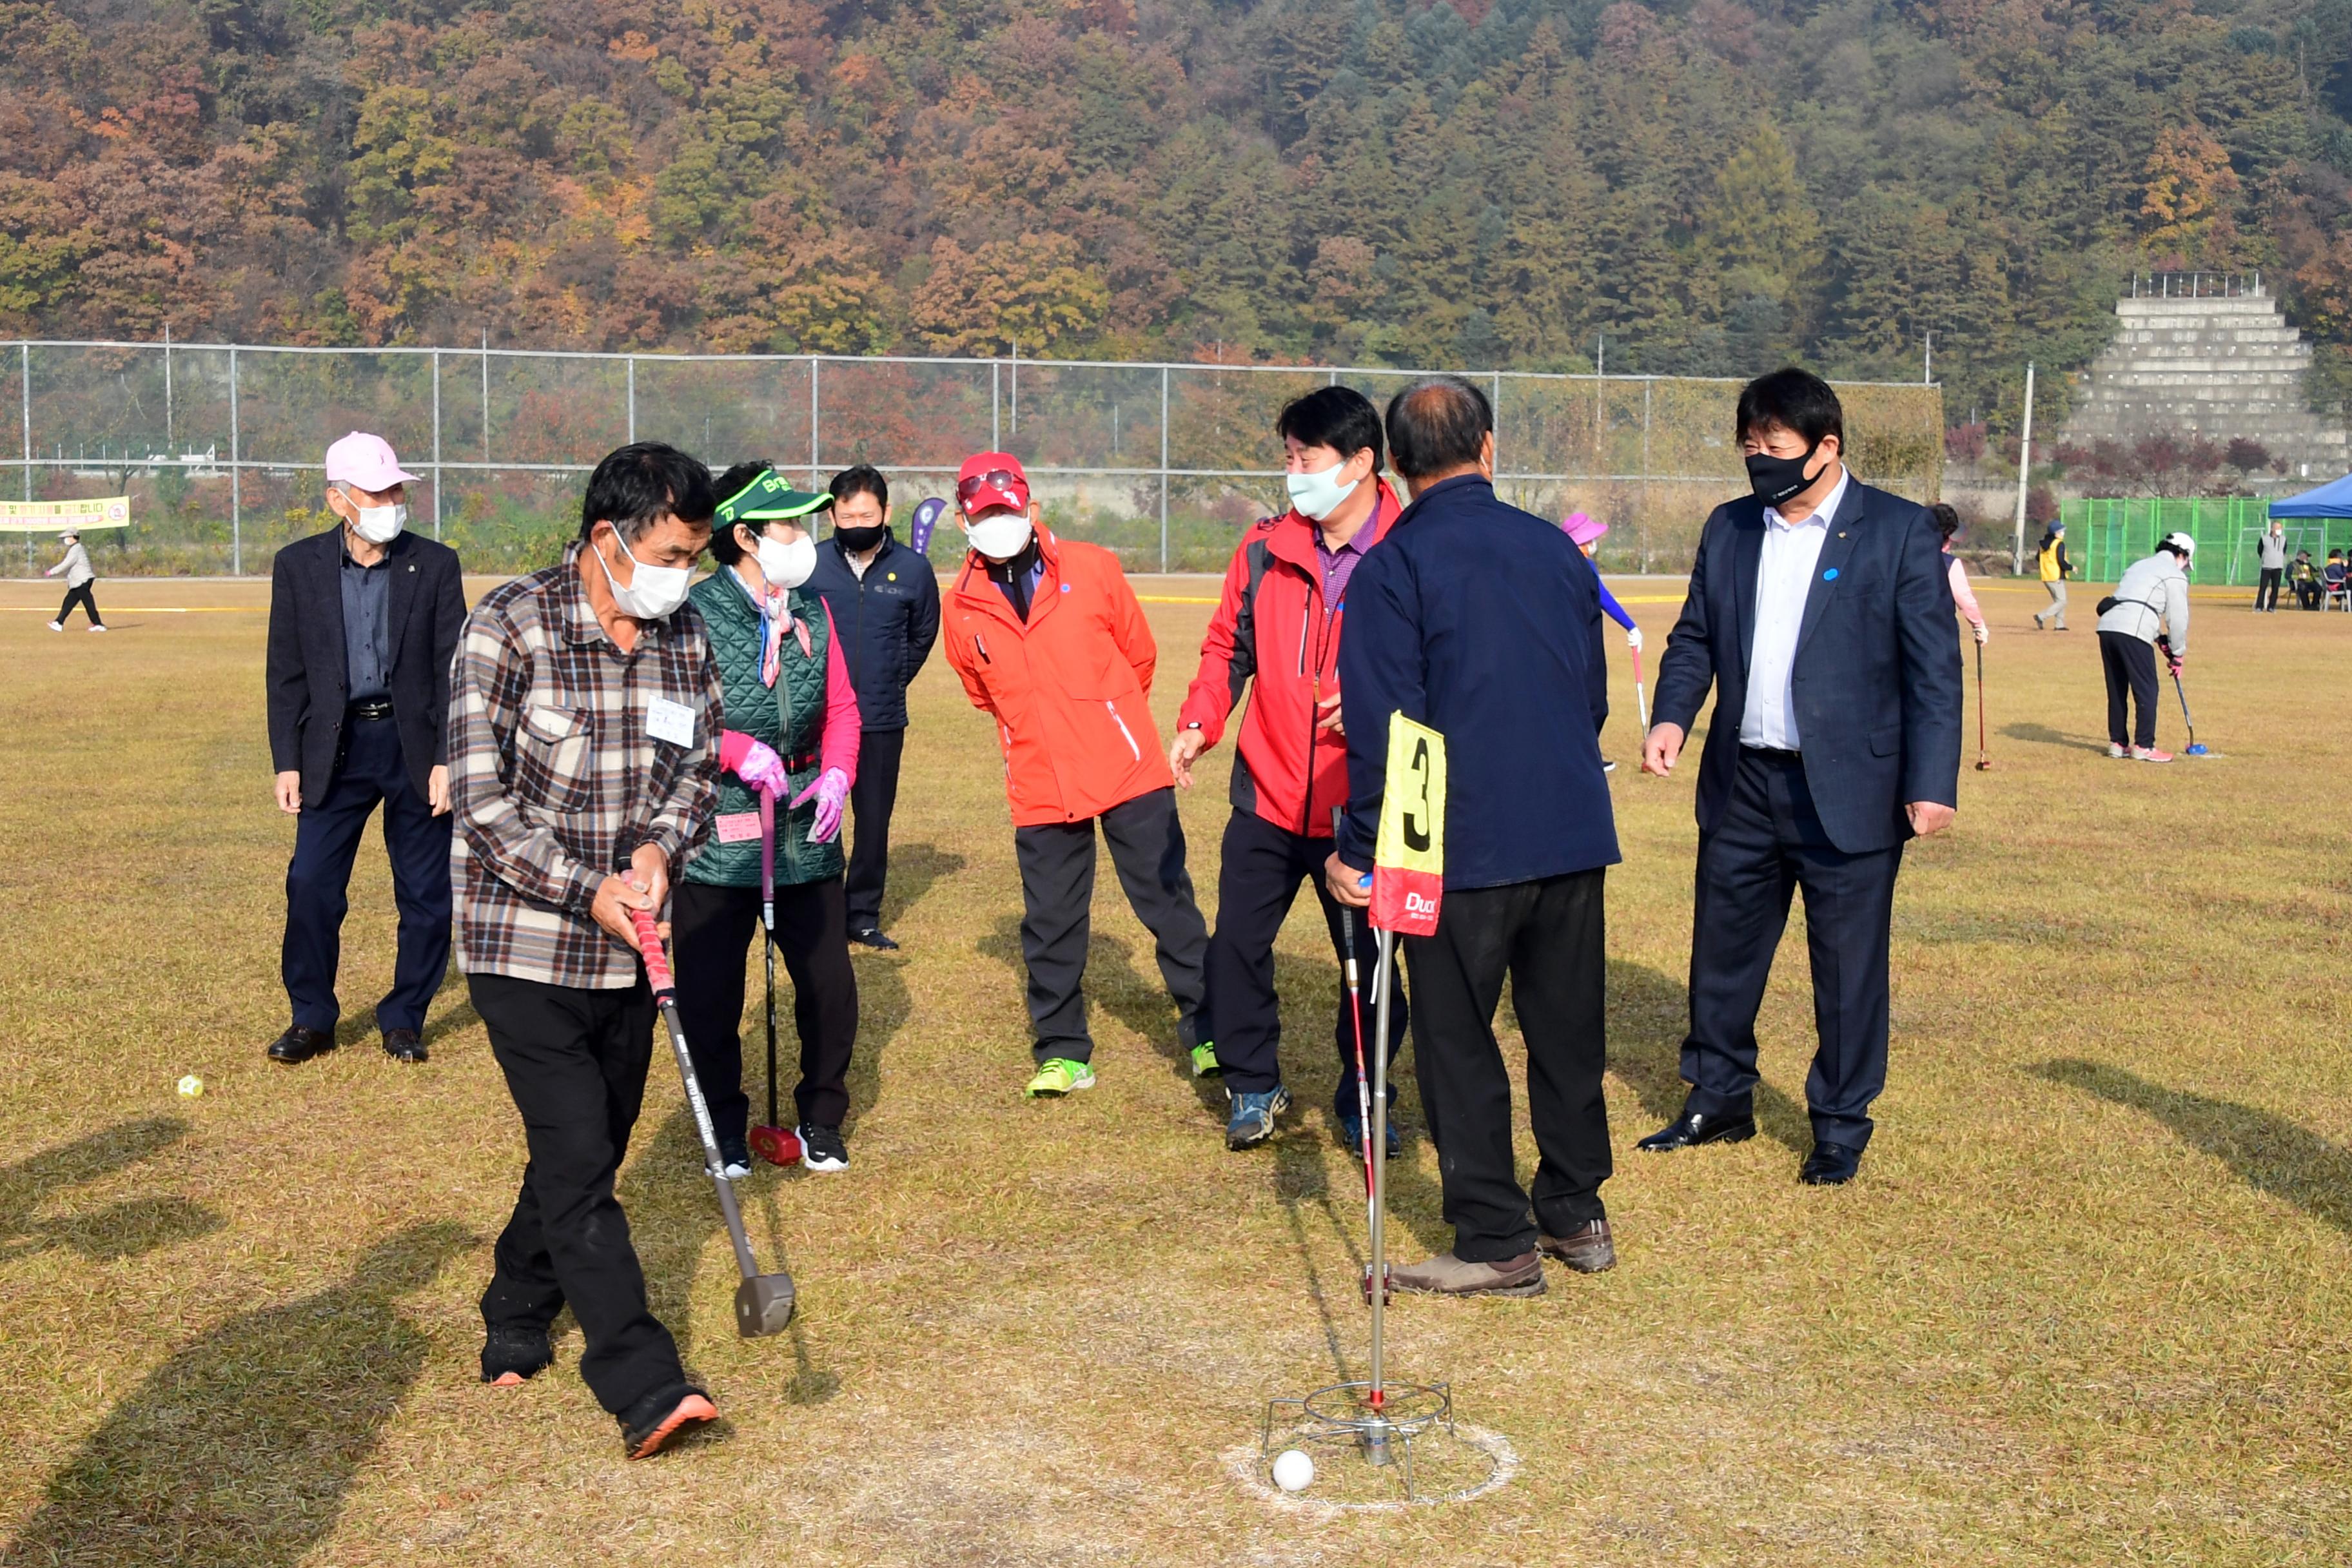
(2089, 1303)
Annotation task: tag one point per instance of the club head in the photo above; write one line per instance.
(1984, 764)
(763, 1305)
(2199, 750)
(776, 1146)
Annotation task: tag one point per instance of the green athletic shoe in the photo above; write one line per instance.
(1060, 1076)
(1204, 1061)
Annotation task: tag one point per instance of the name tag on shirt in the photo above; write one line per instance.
(738, 827)
(671, 722)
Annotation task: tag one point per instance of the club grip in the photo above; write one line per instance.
(657, 962)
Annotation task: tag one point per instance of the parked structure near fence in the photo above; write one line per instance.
(218, 444)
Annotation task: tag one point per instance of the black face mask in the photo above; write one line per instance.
(1775, 480)
(857, 541)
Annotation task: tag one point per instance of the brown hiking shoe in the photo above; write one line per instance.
(1447, 1275)
(1588, 1249)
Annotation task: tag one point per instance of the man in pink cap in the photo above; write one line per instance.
(363, 621)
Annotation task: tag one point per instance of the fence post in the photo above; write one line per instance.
(485, 394)
(170, 439)
(995, 403)
(1163, 471)
(235, 477)
(632, 363)
(25, 388)
(813, 459)
(436, 443)
(1642, 524)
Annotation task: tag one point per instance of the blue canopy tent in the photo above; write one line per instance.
(2331, 500)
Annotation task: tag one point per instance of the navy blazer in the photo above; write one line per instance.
(307, 690)
(1877, 669)
(1484, 623)
(887, 620)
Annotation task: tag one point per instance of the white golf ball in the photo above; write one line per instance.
(1293, 1470)
(192, 1086)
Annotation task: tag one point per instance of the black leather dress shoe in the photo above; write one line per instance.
(299, 1045)
(404, 1045)
(1693, 1127)
(868, 936)
(1830, 1165)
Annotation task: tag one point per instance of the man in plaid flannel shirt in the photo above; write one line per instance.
(584, 721)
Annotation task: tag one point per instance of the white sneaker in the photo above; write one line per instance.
(57, 626)
(2116, 752)
(99, 627)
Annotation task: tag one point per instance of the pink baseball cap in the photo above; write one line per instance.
(366, 460)
(1582, 528)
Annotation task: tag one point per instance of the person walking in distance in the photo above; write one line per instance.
(1275, 637)
(793, 735)
(1048, 640)
(364, 620)
(886, 600)
(585, 729)
(79, 576)
(2051, 556)
(1820, 611)
(2149, 614)
(1484, 623)
(2270, 555)
(1956, 575)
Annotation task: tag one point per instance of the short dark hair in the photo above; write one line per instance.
(1792, 399)
(722, 540)
(864, 480)
(1947, 519)
(1338, 417)
(1440, 422)
(643, 480)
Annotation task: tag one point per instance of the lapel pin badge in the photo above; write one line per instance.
(1829, 575)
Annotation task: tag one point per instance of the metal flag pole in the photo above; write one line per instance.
(1376, 1281)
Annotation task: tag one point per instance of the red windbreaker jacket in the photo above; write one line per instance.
(1272, 627)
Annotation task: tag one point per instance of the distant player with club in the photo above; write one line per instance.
(584, 731)
(81, 576)
(2147, 615)
(1274, 642)
(1049, 641)
(792, 736)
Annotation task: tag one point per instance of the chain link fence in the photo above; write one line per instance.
(218, 446)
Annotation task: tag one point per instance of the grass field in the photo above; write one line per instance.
(2091, 1301)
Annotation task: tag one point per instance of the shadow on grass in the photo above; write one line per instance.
(120, 1230)
(2269, 1153)
(883, 1008)
(241, 1448)
(2044, 735)
(913, 868)
(455, 1014)
(1648, 1014)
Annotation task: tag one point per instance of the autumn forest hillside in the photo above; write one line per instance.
(1712, 185)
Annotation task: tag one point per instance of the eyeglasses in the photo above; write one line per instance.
(995, 479)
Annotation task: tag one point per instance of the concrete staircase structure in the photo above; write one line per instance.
(2220, 365)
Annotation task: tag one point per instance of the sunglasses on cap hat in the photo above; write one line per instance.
(996, 480)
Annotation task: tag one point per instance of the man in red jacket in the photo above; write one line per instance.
(1050, 642)
(1277, 624)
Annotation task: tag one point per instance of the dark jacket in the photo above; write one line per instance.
(888, 623)
(1877, 675)
(1484, 623)
(426, 611)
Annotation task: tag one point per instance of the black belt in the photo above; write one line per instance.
(1773, 753)
(372, 708)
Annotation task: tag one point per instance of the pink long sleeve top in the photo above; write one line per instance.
(1958, 577)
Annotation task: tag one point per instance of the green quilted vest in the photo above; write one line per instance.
(790, 718)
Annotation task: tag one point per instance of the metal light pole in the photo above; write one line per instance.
(2024, 466)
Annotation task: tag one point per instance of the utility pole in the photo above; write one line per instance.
(2024, 466)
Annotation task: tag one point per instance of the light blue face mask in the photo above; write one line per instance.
(1319, 495)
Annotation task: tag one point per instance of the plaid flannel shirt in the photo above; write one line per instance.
(556, 780)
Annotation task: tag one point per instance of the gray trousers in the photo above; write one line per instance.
(2057, 605)
(1057, 889)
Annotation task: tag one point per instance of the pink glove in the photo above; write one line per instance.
(832, 790)
(753, 761)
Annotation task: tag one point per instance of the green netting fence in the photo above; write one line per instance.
(2106, 536)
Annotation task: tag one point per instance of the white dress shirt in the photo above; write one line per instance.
(1784, 576)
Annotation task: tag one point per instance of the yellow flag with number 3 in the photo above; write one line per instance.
(1409, 857)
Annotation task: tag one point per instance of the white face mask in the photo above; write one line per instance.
(1001, 535)
(378, 525)
(1319, 495)
(653, 592)
(787, 565)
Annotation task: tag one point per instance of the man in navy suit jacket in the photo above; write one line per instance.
(1818, 609)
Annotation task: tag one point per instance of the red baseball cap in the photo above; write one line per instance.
(989, 480)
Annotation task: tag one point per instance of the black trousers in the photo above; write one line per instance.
(709, 930)
(872, 797)
(1257, 880)
(1057, 890)
(575, 1063)
(2266, 587)
(1769, 843)
(318, 879)
(1547, 936)
(86, 599)
(2131, 670)
(2306, 594)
